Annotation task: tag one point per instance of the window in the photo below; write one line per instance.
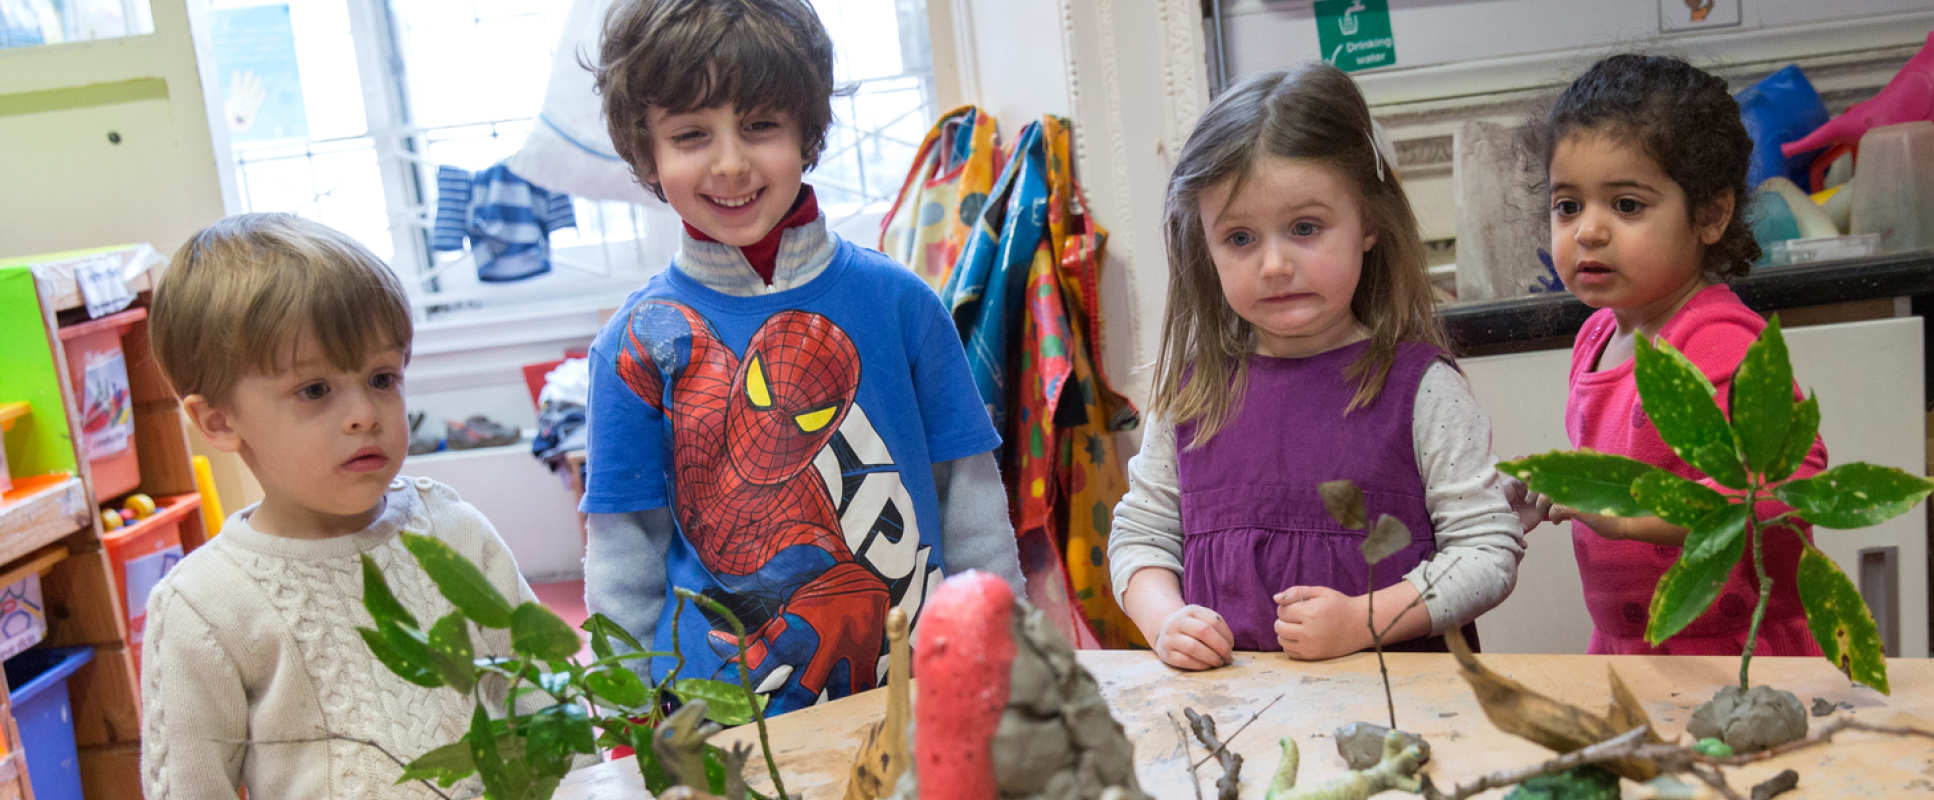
(342, 110)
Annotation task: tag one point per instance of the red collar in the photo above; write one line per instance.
(763, 255)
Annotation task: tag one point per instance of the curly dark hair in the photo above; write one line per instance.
(1681, 116)
(682, 55)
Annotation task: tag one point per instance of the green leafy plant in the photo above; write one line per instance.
(579, 706)
(1754, 455)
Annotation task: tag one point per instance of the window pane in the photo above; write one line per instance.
(474, 60)
(25, 23)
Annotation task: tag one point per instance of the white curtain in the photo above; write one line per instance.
(569, 149)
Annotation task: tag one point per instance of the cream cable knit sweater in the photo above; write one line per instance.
(253, 673)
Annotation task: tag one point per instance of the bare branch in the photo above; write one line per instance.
(1195, 781)
(1670, 758)
(1204, 727)
(1239, 730)
(1611, 749)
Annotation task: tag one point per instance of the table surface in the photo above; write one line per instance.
(814, 746)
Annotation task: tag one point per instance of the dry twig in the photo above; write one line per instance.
(1204, 727)
(1195, 781)
(1669, 757)
(1239, 730)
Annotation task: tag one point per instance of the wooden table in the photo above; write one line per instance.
(814, 746)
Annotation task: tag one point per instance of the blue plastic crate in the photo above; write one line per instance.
(37, 682)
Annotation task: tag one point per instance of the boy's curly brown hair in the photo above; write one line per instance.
(683, 55)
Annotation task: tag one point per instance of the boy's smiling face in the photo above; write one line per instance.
(728, 173)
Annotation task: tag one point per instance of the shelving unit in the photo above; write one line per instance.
(50, 520)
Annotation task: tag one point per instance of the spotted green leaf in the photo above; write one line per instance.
(484, 753)
(460, 581)
(377, 598)
(1854, 495)
(1712, 548)
(555, 733)
(410, 663)
(1762, 399)
(618, 685)
(1679, 400)
(1800, 433)
(1596, 483)
(445, 765)
(1387, 537)
(725, 703)
(603, 630)
(450, 652)
(1675, 499)
(1840, 621)
(534, 629)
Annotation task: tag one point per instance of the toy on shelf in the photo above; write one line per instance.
(137, 507)
(1906, 98)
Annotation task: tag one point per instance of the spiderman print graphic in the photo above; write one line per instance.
(745, 430)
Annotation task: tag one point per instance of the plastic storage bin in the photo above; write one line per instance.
(38, 681)
(97, 369)
(141, 553)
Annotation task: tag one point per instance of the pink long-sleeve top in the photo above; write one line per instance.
(1713, 329)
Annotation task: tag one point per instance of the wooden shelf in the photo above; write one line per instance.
(39, 511)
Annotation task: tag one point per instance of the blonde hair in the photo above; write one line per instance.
(1311, 112)
(240, 291)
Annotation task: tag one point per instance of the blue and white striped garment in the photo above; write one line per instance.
(508, 219)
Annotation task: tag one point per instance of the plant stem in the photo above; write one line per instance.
(1376, 641)
(1753, 537)
(745, 682)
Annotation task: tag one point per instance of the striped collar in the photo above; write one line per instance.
(804, 252)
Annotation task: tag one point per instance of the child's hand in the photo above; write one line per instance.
(1533, 509)
(1193, 637)
(1317, 622)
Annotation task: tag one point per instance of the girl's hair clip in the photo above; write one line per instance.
(1380, 150)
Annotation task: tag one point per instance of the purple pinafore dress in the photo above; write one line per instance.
(1252, 522)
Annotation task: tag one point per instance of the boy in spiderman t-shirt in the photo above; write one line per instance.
(782, 420)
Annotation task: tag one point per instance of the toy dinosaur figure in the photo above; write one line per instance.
(1397, 770)
(679, 744)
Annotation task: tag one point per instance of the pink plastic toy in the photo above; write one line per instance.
(1906, 98)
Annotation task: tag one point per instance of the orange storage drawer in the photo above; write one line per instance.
(97, 369)
(141, 553)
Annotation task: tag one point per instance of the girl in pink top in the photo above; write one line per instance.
(1646, 161)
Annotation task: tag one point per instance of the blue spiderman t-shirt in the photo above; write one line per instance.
(793, 436)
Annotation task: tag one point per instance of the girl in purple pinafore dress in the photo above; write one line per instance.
(1300, 347)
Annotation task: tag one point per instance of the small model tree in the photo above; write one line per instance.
(1753, 455)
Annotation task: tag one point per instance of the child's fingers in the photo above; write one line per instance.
(1294, 595)
(1207, 628)
(1186, 652)
(1560, 513)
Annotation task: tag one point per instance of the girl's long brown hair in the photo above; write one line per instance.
(1310, 112)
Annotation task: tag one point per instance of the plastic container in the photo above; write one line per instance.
(141, 553)
(38, 691)
(98, 370)
(1893, 186)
